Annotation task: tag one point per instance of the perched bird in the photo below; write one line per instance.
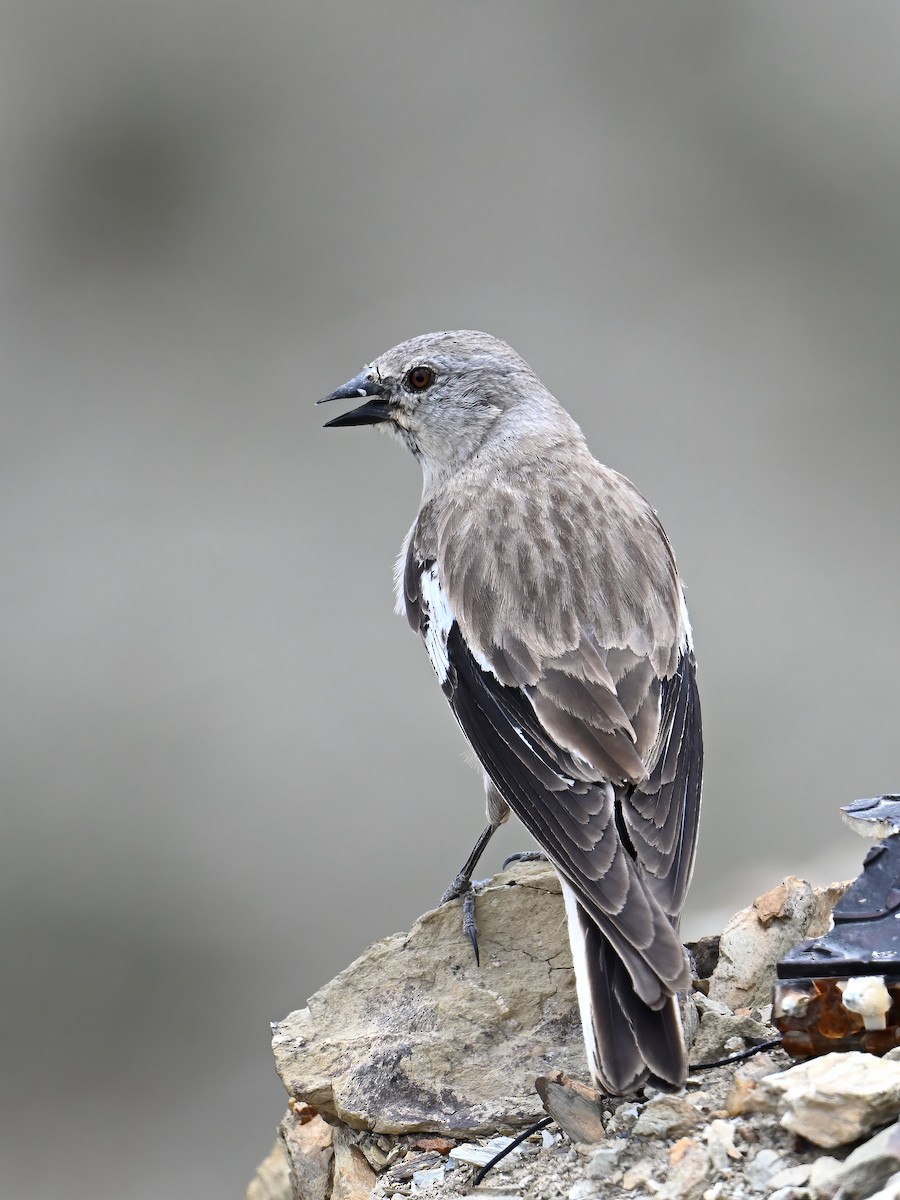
(548, 599)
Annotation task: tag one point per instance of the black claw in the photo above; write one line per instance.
(470, 925)
(525, 856)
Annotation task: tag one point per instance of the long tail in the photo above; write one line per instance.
(628, 1043)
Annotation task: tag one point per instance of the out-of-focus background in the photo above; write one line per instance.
(225, 765)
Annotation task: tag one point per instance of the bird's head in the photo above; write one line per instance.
(445, 395)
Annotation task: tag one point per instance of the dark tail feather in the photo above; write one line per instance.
(627, 1042)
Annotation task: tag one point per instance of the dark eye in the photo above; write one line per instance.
(419, 378)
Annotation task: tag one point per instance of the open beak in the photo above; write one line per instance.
(375, 410)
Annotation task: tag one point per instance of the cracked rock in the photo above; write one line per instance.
(414, 1036)
(757, 937)
(835, 1099)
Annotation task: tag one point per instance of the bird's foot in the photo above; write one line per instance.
(466, 889)
(525, 856)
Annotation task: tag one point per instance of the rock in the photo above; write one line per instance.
(353, 1177)
(415, 1037)
(757, 937)
(309, 1150)
(273, 1177)
(869, 1166)
(835, 1099)
(791, 1177)
(604, 1162)
(720, 1145)
(718, 1025)
(638, 1176)
(743, 1095)
(822, 1181)
(575, 1107)
(667, 1116)
(760, 1169)
(890, 1191)
(688, 1170)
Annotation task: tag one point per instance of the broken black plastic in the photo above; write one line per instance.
(841, 991)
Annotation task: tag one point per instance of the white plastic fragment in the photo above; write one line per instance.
(868, 996)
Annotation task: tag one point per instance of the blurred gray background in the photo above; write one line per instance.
(225, 765)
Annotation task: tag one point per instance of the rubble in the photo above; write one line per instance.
(404, 1070)
(415, 1036)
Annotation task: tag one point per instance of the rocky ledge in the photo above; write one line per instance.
(414, 1066)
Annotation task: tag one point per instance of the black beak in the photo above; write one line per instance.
(375, 410)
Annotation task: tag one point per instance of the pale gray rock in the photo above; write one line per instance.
(719, 1137)
(890, 1191)
(822, 1181)
(308, 1144)
(667, 1116)
(688, 1174)
(604, 1161)
(791, 1177)
(835, 1099)
(272, 1180)
(353, 1177)
(760, 1169)
(757, 937)
(869, 1167)
(415, 1036)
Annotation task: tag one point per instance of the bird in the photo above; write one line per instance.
(549, 601)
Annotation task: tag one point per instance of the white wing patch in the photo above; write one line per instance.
(582, 975)
(687, 634)
(440, 621)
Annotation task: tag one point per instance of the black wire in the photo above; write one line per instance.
(732, 1058)
(545, 1121)
(517, 1141)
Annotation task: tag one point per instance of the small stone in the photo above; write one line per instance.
(688, 1170)
(481, 1155)
(353, 1177)
(791, 1193)
(583, 1189)
(890, 1191)
(667, 1116)
(719, 1137)
(442, 1145)
(834, 1099)
(791, 1177)
(743, 1096)
(870, 1165)
(822, 1180)
(638, 1175)
(604, 1162)
(764, 1164)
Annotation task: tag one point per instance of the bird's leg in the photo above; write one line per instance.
(463, 886)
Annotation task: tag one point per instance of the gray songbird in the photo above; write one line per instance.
(548, 598)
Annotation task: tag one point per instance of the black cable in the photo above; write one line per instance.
(517, 1141)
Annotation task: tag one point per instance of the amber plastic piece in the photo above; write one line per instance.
(813, 1018)
(842, 991)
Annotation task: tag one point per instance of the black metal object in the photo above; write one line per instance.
(841, 991)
